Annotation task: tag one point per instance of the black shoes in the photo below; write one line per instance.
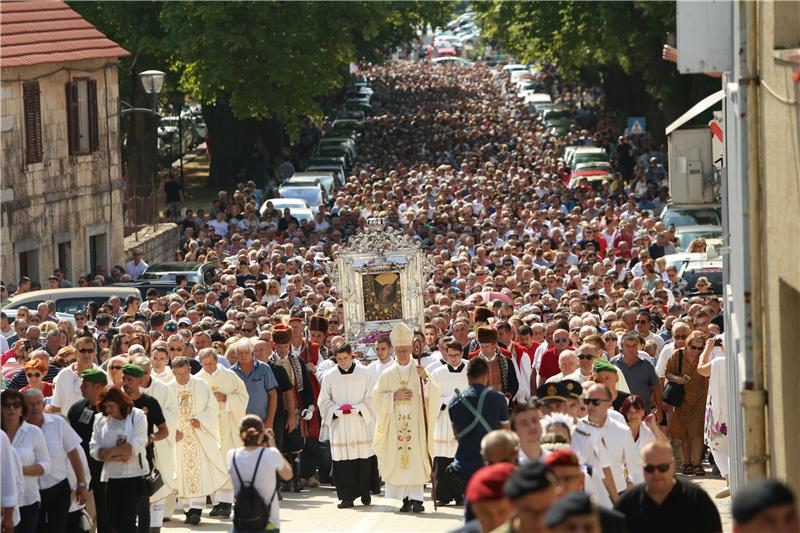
(193, 517)
(416, 506)
(366, 500)
(406, 508)
(221, 509)
(345, 504)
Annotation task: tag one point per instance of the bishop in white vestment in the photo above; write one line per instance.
(450, 374)
(406, 404)
(200, 466)
(345, 404)
(232, 397)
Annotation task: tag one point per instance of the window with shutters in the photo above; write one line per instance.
(33, 123)
(83, 135)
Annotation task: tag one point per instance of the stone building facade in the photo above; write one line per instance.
(61, 188)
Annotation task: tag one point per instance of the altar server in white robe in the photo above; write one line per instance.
(404, 432)
(345, 404)
(451, 374)
(232, 397)
(199, 464)
(162, 503)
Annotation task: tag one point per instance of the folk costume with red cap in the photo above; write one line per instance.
(502, 376)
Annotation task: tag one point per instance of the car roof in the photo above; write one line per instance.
(72, 292)
(173, 267)
(699, 228)
(311, 175)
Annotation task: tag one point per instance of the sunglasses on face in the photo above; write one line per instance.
(585, 357)
(33, 374)
(695, 347)
(593, 401)
(176, 349)
(642, 321)
(86, 350)
(661, 468)
(116, 367)
(13, 405)
(247, 330)
(680, 337)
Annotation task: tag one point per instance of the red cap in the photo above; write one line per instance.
(280, 327)
(487, 483)
(561, 458)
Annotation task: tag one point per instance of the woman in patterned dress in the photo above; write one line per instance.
(688, 418)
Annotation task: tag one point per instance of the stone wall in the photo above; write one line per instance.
(157, 245)
(67, 209)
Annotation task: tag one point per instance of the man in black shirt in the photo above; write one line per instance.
(132, 377)
(81, 418)
(284, 414)
(173, 191)
(664, 503)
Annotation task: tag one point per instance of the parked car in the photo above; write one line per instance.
(691, 215)
(686, 234)
(710, 269)
(593, 174)
(451, 60)
(326, 179)
(162, 286)
(351, 114)
(69, 300)
(279, 204)
(311, 193)
(196, 273)
(11, 314)
(336, 169)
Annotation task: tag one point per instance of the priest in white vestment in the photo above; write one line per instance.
(450, 374)
(162, 503)
(403, 439)
(232, 397)
(345, 404)
(200, 466)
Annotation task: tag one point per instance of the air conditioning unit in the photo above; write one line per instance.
(690, 166)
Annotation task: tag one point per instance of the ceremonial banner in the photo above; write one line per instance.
(380, 275)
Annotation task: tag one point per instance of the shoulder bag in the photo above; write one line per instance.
(675, 392)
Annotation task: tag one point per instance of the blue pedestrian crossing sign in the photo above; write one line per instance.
(637, 125)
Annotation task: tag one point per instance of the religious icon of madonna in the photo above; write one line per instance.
(382, 297)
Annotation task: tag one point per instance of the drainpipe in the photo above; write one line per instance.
(753, 393)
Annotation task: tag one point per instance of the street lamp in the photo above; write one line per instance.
(153, 82)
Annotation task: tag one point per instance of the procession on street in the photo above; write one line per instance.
(467, 321)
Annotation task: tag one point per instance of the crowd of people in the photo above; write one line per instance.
(564, 379)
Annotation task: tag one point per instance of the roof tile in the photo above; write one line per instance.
(37, 32)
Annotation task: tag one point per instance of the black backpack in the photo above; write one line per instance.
(250, 513)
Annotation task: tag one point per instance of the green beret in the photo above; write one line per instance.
(95, 375)
(601, 365)
(133, 370)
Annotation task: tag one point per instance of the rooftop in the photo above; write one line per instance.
(39, 32)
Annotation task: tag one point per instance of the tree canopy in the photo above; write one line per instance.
(262, 58)
(585, 36)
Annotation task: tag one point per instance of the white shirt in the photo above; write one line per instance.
(622, 451)
(265, 478)
(10, 477)
(32, 450)
(67, 388)
(109, 432)
(61, 439)
(135, 270)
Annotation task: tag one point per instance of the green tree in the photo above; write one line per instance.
(253, 65)
(617, 44)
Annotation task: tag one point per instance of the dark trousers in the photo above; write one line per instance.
(101, 508)
(74, 522)
(325, 462)
(54, 508)
(353, 478)
(309, 458)
(122, 498)
(28, 517)
(143, 514)
(375, 477)
(448, 486)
